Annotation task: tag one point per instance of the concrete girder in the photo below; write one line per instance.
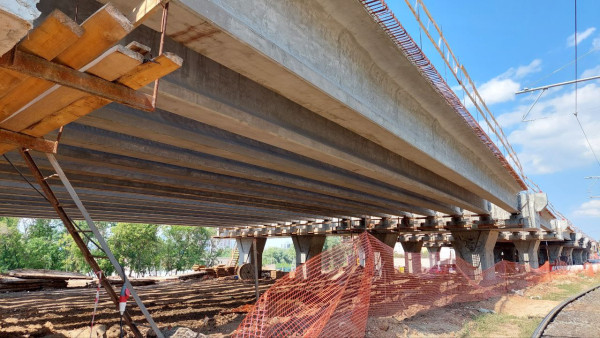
(94, 139)
(101, 183)
(224, 80)
(221, 143)
(272, 59)
(117, 202)
(79, 172)
(16, 19)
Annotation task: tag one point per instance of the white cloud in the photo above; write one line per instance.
(596, 44)
(554, 142)
(591, 72)
(580, 36)
(589, 209)
(534, 67)
(502, 88)
(498, 90)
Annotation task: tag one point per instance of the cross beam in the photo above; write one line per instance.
(35, 66)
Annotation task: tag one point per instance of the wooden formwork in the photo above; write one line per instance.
(62, 71)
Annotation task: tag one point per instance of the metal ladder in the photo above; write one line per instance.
(77, 235)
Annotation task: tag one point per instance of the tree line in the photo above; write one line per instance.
(142, 249)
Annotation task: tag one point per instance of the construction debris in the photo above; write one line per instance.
(117, 282)
(46, 274)
(216, 271)
(13, 284)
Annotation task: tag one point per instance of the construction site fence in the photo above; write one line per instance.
(333, 294)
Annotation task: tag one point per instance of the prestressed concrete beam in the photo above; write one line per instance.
(94, 139)
(288, 70)
(188, 134)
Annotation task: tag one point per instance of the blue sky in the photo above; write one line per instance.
(509, 45)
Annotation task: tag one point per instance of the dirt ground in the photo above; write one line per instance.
(202, 306)
(195, 304)
(513, 315)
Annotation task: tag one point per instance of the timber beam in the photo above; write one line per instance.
(29, 142)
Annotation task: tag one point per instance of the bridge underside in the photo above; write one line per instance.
(229, 147)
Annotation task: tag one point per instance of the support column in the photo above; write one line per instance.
(528, 253)
(477, 248)
(585, 255)
(245, 247)
(554, 252)
(434, 255)
(412, 256)
(568, 254)
(384, 260)
(307, 247)
(577, 257)
(388, 238)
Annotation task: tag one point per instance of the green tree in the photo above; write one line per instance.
(184, 246)
(74, 260)
(11, 244)
(41, 247)
(282, 258)
(331, 241)
(135, 246)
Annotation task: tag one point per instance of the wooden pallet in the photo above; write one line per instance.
(34, 104)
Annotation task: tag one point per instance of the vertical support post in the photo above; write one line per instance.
(434, 255)
(477, 248)
(412, 256)
(103, 243)
(528, 253)
(254, 253)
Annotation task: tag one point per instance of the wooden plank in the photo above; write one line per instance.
(52, 37)
(110, 66)
(102, 30)
(46, 274)
(160, 66)
(55, 34)
(26, 141)
(59, 74)
(147, 72)
(9, 80)
(138, 77)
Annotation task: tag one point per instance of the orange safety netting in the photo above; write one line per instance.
(335, 292)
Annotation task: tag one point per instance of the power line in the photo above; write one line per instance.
(587, 140)
(576, 63)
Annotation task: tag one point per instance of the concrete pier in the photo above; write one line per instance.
(307, 247)
(477, 248)
(246, 249)
(528, 252)
(412, 256)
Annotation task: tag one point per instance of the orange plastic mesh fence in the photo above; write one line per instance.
(335, 292)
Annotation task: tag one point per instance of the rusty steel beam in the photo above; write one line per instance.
(32, 65)
(26, 141)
